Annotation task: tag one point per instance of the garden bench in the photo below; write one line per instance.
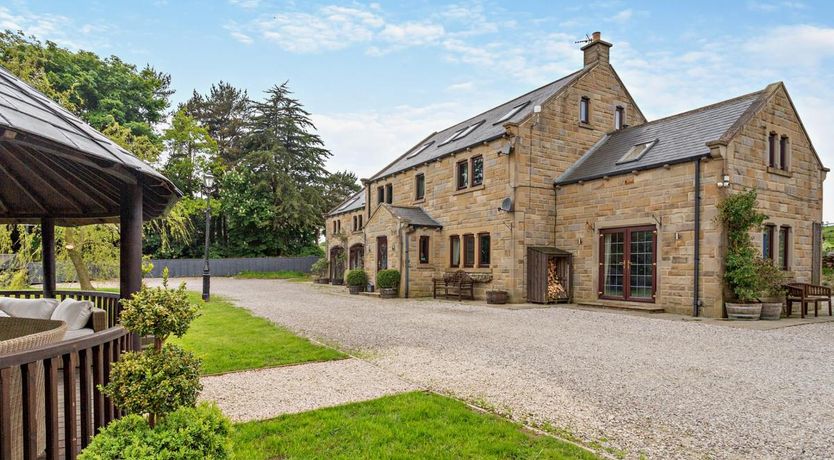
(459, 282)
(805, 293)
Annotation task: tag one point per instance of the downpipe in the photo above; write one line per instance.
(696, 300)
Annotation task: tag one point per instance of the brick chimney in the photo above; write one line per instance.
(596, 50)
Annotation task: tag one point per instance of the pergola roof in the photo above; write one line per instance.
(54, 165)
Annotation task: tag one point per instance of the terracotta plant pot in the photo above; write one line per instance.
(388, 293)
(744, 311)
(771, 310)
(355, 289)
(496, 297)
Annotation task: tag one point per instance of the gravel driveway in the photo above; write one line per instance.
(663, 388)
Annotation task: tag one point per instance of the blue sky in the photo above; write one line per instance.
(378, 77)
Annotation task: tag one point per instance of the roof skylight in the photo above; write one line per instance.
(419, 149)
(637, 152)
(513, 111)
(468, 130)
(452, 137)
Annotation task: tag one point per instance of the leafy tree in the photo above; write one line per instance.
(190, 148)
(286, 159)
(338, 187)
(223, 112)
(101, 91)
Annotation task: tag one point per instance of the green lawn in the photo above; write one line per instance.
(279, 275)
(228, 338)
(411, 425)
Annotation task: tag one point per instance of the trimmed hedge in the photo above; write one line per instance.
(356, 277)
(196, 433)
(387, 279)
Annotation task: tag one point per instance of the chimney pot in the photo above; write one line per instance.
(597, 50)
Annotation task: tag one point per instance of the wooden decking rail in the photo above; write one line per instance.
(71, 372)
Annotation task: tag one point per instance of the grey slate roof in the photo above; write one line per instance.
(415, 216)
(491, 128)
(679, 138)
(354, 202)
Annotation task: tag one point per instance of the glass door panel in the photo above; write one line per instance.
(613, 269)
(641, 264)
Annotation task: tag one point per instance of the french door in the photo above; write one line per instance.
(628, 264)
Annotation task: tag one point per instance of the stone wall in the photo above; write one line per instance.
(792, 198)
(664, 199)
(346, 237)
(549, 144)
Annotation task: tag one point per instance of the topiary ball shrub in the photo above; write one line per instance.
(356, 277)
(154, 381)
(159, 312)
(387, 279)
(188, 433)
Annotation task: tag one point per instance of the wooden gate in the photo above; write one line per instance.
(816, 253)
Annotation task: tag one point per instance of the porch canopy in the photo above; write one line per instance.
(57, 170)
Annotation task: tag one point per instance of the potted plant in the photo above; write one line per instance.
(773, 291)
(356, 280)
(388, 282)
(739, 216)
(497, 297)
(319, 271)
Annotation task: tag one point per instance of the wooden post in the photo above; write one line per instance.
(130, 247)
(48, 250)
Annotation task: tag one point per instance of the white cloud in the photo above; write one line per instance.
(462, 87)
(364, 142)
(770, 6)
(623, 16)
(60, 29)
(330, 28)
(248, 4)
(412, 33)
(795, 45)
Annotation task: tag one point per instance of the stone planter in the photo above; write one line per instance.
(744, 311)
(497, 297)
(355, 289)
(388, 293)
(771, 310)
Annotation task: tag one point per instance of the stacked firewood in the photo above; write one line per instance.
(555, 288)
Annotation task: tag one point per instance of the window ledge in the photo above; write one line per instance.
(469, 189)
(421, 200)
(582, 124)
(779, 172)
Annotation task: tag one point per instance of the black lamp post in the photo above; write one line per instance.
(208, 183)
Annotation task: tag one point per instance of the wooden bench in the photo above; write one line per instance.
(805, 293)
(459, 282)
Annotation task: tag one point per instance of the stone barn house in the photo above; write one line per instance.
(570, 184)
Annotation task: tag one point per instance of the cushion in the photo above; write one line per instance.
(76, 313)
(28, 308)
(3, 314)
(69, 335)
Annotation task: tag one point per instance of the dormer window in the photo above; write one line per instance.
(619, 117)
(585, 110)
(636, 152)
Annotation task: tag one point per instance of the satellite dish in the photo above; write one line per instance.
(506, 205)
(506, 149)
